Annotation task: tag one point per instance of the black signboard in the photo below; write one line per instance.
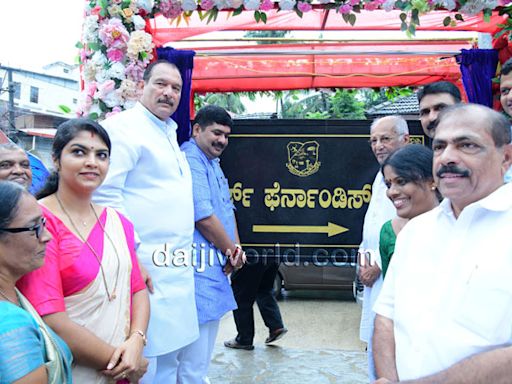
(302, 187)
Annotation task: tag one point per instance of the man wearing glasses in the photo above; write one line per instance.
(386, 135)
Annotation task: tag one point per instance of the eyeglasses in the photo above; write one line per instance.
(38, 228)
(384, 140)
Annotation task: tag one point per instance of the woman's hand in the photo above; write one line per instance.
(127, 361)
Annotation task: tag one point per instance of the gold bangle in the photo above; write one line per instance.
(141, 334)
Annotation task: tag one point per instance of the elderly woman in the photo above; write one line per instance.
(29, 351)
(90, 290)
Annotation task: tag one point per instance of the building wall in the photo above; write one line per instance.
(51, 92)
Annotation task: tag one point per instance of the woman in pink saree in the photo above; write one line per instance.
(90, 290)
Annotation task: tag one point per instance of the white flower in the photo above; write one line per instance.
(138, 22)
(287, 5)
(98, 59)
(189, 5)
(235, 4)
(90, 29)
(147, 5)
(101, 75)
(221, 4)
(95, 108)
(112, 99)
(388, 5)
(473, 7)
(251, 5)
(89, 71)
(116, 71)
(448, 4)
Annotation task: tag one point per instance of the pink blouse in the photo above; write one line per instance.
(70, 266)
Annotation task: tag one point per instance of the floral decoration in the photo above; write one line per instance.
(115, 47)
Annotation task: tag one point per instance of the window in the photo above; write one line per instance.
(34, 95)
(75, 101)
(17, 89)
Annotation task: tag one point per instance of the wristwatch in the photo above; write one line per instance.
(141, 334)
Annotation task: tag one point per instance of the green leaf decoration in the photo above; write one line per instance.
(447, 20)
(352, 19)
(264, 17)
(79, 45)
(93, 116)
(403, 16)
(64, 108)
(238, 11)
(459, 17)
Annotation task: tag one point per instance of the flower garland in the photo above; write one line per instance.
(115, 48)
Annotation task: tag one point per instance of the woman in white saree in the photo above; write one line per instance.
(90, 290)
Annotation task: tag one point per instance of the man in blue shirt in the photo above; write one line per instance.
(506, 99)
(215, 235)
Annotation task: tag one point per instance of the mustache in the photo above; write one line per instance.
(432, 125)
(219, 145)
(166, 100)
(454, 170)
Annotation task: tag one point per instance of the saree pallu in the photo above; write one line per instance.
(91, 308)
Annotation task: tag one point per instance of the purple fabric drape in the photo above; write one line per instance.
(478, 67)
(184, 60)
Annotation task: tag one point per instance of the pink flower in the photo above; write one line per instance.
(115, 55)
(115, 111)
(206, 5)
(96, 10)
(266, 5)
(304, 6)
(113, 33)
(91, 88)
(354, 2)
(371, 6)
(135, 71)
(170, 8)
(345, 8)
(105, 88)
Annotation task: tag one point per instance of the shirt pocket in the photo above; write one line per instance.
(485, 308)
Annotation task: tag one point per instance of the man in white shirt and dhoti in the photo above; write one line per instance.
(150, 182)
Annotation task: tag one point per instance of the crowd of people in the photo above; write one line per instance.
(98, 285)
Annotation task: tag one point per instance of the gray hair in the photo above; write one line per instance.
(400, 124)
(498, 125)
(10, 147)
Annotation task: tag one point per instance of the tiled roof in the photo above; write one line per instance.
(407, 105)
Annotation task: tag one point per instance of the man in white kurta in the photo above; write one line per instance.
(149, 181)
(386, 135)
(445, 310)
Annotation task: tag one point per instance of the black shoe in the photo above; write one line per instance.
(275, 335)
(236, 345)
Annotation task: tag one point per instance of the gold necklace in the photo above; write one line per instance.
(111, 296)
(4, 295)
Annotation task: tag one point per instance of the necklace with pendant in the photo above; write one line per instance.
(111, 295)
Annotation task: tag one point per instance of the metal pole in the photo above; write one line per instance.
(12, 123)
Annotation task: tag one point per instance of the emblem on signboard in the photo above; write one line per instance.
(303, 158)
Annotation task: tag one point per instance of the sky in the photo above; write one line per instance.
(34, 33)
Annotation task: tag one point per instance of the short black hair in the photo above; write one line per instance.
(499, 126)
(149, 69)
(212, 114)
(506, 68)
(440, 87)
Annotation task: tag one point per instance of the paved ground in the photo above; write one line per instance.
(322, 345)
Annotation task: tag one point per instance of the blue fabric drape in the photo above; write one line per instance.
(184, 60)
(478, 67)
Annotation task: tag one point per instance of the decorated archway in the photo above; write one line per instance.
(120, 36)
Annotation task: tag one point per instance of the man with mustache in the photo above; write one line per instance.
(506, 98)
(386, 135)
(15, 165)
(149, 181)
(215, 237)
(443, 315)
(433, 98)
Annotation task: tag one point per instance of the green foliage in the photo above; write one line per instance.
(267, 35)
(64, 108)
